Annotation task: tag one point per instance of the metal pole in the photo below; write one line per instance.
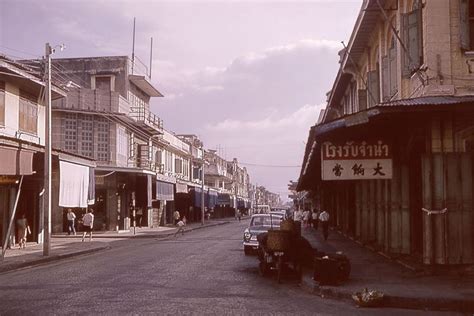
(47, 157)
(202, 193)
(151, 56)
(12, 218)
(133, 46)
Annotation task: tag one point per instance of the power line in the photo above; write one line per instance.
(267, 166)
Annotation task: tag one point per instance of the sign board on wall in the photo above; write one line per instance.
(353, 160)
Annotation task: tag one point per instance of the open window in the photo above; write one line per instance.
(412, 39)
(389, 69)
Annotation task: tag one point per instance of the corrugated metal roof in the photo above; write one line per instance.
(431, 100)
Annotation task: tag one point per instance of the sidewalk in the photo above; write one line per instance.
(64, 246)
(403, 287)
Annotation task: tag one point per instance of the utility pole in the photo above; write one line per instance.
(202, 188)
(47, 156)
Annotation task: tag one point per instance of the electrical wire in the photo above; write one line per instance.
(267, 166)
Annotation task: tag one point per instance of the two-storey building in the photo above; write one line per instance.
(106, 116)
(391, 157)
(22, 141)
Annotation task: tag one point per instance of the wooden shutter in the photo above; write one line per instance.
(393, 70)
(464, 24)
(2, 102)
(362, 96)
(373, 95)
(385, 80)
(412, 39)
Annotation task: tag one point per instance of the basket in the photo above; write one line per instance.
(290, 225)
(278, 240)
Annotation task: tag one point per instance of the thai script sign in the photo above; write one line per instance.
(356, 160)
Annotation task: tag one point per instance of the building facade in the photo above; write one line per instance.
(391, 155)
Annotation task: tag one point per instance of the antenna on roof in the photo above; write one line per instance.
(151, 55)
(133, 45)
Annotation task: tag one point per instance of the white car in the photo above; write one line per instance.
(259, 223)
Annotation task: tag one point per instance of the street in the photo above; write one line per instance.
(202, 272)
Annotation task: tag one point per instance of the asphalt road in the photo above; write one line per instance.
(201, 273)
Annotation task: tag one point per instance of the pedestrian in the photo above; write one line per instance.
(22, 230)
(315, 218)
(176, 217)
(306, 218)
(71, 217)
(239, 215)
(88, 223)
(298, 216)
(139, 214)
(324, 219)
(180, 225)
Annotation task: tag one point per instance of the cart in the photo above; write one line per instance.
(274, 252)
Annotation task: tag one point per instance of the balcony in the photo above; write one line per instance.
(91, 100)
(146, 119)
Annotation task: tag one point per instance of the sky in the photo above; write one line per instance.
(248, 77)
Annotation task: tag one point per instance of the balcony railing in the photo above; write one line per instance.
(89, 100)
(137, 67)
(145, 116)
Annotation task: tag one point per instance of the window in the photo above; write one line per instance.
(70, 132)
(373, 90)
(412, 39)
(28, 113)
(102, 139)
(389, 71)
(87, 136)
(466, 10)
(2, 103)
(103, 83)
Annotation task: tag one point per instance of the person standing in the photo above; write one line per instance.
(176, 217)
(324, 219)
(315, 218)
(306, 218)
(71, 217)
(181, 225)
(88, 223)
(139, 216)
(22, 229)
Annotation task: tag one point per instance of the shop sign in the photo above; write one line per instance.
(356, 160)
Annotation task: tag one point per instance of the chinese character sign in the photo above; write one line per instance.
(356, 160)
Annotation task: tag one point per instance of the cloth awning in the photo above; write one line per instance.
(224, 199)
(212, 199)
(91, 193)
(73, 185)
(181, 188)
(164, 191)
(15, 161)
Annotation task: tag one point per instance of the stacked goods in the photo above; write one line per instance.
(278, 240)
(291, 226)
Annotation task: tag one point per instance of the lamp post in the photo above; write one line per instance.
(202, 186)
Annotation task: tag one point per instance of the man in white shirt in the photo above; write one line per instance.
(88, 223)
(70, 222)
(324, 219)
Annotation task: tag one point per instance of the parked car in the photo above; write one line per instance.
(281, 213)
(259, 223)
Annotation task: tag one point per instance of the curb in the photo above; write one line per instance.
(427, 304)
(21, 265)
(32, 263)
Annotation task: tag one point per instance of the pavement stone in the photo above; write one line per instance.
(404, 287)
(64, 246)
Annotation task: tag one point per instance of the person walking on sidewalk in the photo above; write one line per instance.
(176, 217)
(181, 225)
(71, 217)
(324, 219)
(315, 219)
(88, 223)
(23, 229)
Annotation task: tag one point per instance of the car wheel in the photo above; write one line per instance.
(247, 250)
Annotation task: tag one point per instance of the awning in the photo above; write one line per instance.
(73, 185)
(181, 188)
(224, 199)
(143, 84)
(15, 161)
(196, 194)
(164, 191)
(91, 193)
(212, 199)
